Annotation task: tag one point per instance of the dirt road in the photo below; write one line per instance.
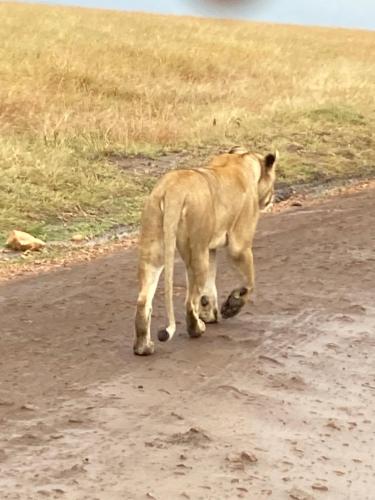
(276, 403)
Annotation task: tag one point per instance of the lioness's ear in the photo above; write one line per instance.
(271, 159)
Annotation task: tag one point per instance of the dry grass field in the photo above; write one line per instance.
(78, 86)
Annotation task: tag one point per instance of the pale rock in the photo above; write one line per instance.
(20, 241)
(77, 238)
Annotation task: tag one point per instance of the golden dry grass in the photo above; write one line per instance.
(77, 84)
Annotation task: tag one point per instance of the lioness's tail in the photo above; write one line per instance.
(171, 209)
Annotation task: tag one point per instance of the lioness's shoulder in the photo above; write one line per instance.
(244, 152)
(236, 155)
(238, 150)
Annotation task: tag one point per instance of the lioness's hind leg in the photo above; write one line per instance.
(197, 273)
(240, 296)
(149, 276)
(208, 307)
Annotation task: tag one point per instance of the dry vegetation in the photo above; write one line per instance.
(78, 85)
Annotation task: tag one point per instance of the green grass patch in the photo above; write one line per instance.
(340, 115)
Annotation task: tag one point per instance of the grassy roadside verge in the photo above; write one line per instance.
(57, 257)
(80, 87)
(54, 191)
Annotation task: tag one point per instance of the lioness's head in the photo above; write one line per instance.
(267, 179)
(267, 173)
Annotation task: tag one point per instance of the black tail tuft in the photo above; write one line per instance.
(163, 335)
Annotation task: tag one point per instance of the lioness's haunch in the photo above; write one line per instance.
(197, 211)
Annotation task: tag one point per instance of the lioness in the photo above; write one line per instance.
(199, 210)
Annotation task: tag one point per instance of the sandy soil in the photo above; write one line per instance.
(278, 402)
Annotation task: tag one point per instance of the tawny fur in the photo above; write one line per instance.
(197, 211)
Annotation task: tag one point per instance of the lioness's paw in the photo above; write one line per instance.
(144, 349)
(195, 327)
(208, 310)
(234, 303)
(209, 317)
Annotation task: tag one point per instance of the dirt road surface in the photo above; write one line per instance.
(278, 402)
